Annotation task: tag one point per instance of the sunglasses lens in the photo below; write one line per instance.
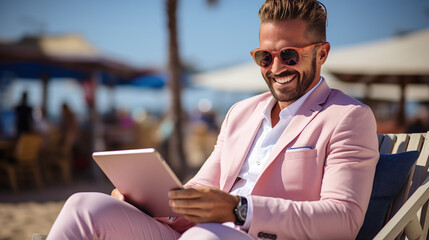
(263, 58)
(289, 56)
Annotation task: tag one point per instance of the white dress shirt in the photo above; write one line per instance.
(261, 148)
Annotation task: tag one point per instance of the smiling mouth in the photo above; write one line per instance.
(283, 80)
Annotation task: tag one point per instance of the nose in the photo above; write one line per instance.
(277, 66)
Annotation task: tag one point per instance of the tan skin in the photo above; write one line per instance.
(200, 204)
(292, 33)
(207, 204)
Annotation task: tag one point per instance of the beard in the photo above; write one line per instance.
(291, 94)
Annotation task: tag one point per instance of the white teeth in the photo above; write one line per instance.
(284, 79)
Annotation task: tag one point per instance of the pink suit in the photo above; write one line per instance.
(316, 183)
(318, 193)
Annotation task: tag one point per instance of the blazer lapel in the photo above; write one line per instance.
(305, 115)
(243, 145)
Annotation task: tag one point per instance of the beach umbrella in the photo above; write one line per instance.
(247, 78)
(67, 53)
(401, 60)
(35, 70)
(402, 55)
(61, 56)
(48, 57)
(238, 78)
(155, 81)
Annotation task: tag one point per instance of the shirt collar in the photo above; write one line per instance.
(291, 109)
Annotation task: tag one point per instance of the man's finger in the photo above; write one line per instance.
(189, 203)
(116, 194)
(196, 212)
(184, 193)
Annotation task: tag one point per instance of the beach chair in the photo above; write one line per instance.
(397, 143)
(26, 161)
(412, 219)
(58, 156)
(408, 215)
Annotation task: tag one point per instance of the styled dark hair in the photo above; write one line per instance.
(313, 12)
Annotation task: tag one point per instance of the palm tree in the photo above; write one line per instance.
(176, 153)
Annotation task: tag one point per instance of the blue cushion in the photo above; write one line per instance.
(390, 175)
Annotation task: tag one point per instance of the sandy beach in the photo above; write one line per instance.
(34, 211)
(21, 220)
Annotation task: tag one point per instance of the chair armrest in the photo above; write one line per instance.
(406, 218)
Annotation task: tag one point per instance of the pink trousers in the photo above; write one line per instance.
(100, 216)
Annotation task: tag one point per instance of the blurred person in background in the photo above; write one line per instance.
(23, 115)
(69, 128)
(297, 162)
(420, 122)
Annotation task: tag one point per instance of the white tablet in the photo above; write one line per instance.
(142, 176)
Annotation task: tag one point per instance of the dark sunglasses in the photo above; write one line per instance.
(288, 55)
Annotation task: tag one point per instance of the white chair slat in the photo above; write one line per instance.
(401, 143)
(380, 138)
(387, 144)
(424, 220)
(413, 230)
(422, 162)
(416, 142)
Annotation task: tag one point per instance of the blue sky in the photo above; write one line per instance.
(135, 31)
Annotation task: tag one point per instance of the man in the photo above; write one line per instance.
(24, 116)
(295, 163)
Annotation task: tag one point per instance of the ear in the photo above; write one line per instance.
(323, 52)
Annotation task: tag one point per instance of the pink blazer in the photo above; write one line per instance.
(317, 193)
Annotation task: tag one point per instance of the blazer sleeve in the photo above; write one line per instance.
(349, 168)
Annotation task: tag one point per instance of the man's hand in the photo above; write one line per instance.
(204, 204)
(116, 194)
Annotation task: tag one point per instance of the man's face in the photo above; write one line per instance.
(288, 83)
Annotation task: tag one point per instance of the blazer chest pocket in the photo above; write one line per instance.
(301, 174)
(300, 153)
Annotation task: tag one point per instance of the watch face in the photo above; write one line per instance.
(242, 209)
(243, 212)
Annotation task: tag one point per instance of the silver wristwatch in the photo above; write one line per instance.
(240, 211)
